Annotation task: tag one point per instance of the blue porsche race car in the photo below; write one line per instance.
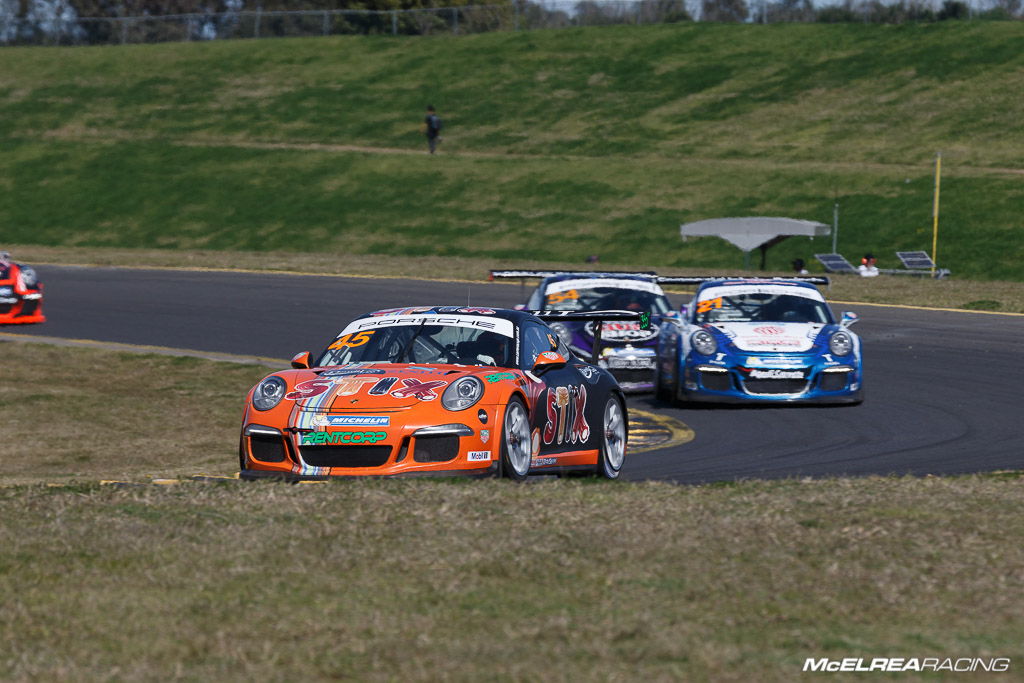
(758, 339)
(625, 349)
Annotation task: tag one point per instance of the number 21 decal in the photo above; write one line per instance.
(706, 305)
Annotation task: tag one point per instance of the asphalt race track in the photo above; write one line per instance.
(942, 389)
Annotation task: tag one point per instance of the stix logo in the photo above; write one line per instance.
(345, 386)
(341, 438)
(567, 422)
(424, 391)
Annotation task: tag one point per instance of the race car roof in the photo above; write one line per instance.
(500, 320)
(564, 283)
(710, 290)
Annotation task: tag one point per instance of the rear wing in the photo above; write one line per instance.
(643, 318)
(497, 274)
(700, 279)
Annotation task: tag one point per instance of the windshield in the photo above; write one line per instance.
(412, 341)
(761, 307)
(606, 299)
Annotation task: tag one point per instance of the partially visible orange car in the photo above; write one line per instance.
(438, 390)
(21, 293)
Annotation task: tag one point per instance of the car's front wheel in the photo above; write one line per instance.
(516, 448)
(613, 440)
(664, 384)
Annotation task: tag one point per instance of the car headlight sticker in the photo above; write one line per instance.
(268, 393)
(840, 344)
(462, 393)
(703, 343)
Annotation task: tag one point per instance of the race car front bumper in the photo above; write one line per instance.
(801, 379)
(21, 309)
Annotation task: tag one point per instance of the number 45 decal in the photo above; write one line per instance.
(351, 340)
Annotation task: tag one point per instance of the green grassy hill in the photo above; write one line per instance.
(557, 143)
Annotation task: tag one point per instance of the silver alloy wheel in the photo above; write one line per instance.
(517, 438)
(614, 435)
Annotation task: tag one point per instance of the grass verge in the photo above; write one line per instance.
(561, 580)
(463, 580)
(558, 143)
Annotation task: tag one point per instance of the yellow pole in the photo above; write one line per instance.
(935, 210)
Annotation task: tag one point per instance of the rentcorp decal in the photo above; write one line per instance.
(335, 438)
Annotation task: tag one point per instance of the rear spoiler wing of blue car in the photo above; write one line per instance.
(641, 317)
(700, 279)
(498, 274)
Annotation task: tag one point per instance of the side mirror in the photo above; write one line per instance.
(682, 312)
(549, 360)
(301, 361)
(849, 318)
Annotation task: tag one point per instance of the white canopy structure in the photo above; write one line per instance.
(754, 231)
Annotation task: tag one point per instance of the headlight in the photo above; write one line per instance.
(268, 393)
(703, 343)
(462, 393)
(28, 276)
(840, 344)
(562, 331)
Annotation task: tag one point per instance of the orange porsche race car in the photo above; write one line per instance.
(21, 293)
(438, 390)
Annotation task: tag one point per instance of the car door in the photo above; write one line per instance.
(562, 416)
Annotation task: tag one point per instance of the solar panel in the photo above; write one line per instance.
(835, 263)
(916, 260)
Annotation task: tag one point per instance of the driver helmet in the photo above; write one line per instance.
(492, 344)
(625, 302)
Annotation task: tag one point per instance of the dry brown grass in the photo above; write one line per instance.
(1003, 297)
(86, 415)
(460, 580)
(560, 580)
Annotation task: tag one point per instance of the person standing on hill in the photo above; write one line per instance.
(432, 127)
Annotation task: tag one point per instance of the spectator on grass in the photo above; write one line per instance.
(799, 267)
(867, 267)
(432, 127)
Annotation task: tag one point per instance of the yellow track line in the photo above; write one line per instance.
(680, 432)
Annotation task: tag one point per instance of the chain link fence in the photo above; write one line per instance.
(305, 23)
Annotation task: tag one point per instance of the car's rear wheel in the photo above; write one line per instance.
(516, 448)
(613, 440)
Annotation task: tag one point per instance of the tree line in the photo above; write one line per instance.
(106, 21)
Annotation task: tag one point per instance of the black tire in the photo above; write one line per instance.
(241, 453)
(516, 444)
(612, 454)
(662, 391)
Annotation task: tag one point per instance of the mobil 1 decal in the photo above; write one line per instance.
(566, 412)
